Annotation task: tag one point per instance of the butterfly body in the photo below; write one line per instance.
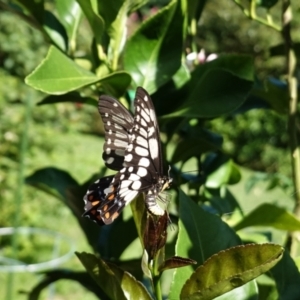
(132, 147)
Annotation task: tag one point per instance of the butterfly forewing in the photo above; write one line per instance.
(97, 207)
(143, 169)
(117, 123)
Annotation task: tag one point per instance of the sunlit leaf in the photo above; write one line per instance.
(196, 229)
(270, 215)
(230, 269)
(116, 283)
(148, 56)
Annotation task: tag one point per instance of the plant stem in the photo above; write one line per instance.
(252, 15)
(292, 115)
(156, 278)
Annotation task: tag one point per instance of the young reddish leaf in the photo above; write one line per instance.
(230, 269)
(155, 234)
(176, 262)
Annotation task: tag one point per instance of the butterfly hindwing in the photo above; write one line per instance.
(97, 206)
(117, 123)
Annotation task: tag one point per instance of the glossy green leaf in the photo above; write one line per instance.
(116, 283)
(195, 8)
(229, 269)
(270, 215)
(70, 14)
(95, 20)
(53, 181)
(50, 277)
(201, 235)
(217, 92)
(58, 74)
(73, 97)
(139, 213)
(275, 94)
(36, 8)
(55, 30)
(116, 83)
(63, 186)
(103, 275)
(227, 173)
(287, 278)
(195, 146)
(148, 56)
(248, 291)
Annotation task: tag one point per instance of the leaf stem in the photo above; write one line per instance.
(292, 82)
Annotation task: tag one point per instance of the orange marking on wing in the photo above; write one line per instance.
(94, 203)
(115, 215)
(105, 208)
(111, 197)
(107, 215)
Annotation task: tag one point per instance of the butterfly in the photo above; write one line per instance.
(133, 148)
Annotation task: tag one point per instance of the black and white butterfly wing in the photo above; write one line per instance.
(117, 123)
(97, 207)
(143, 167)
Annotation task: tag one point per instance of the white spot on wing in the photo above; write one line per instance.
(125, 183)
(130, 196)
(144, 162)
(153, 146)
(134, 177)
(136, 185)
(120, 152)
(107, 151)
(142, 142)
(141, 172)
(128, 157)
(151, 131)
(141, 151)
(110, 160)
(120, 143)
(145, 116)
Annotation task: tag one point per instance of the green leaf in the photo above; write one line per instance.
(52, 181)
(63, 186)
(58, 74)
(196, 229)
(55, 30)
(95, 20)
(116, 283)
(248, 291)
(73, 97)
(287, 278)
(230, 269)
(275, 93)
(36, 8)
(139, 215)
(70, 14)
(227, 173)
(50, 277)
(204, 141)
(216, 93)
(270, 215)
(153, 54)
